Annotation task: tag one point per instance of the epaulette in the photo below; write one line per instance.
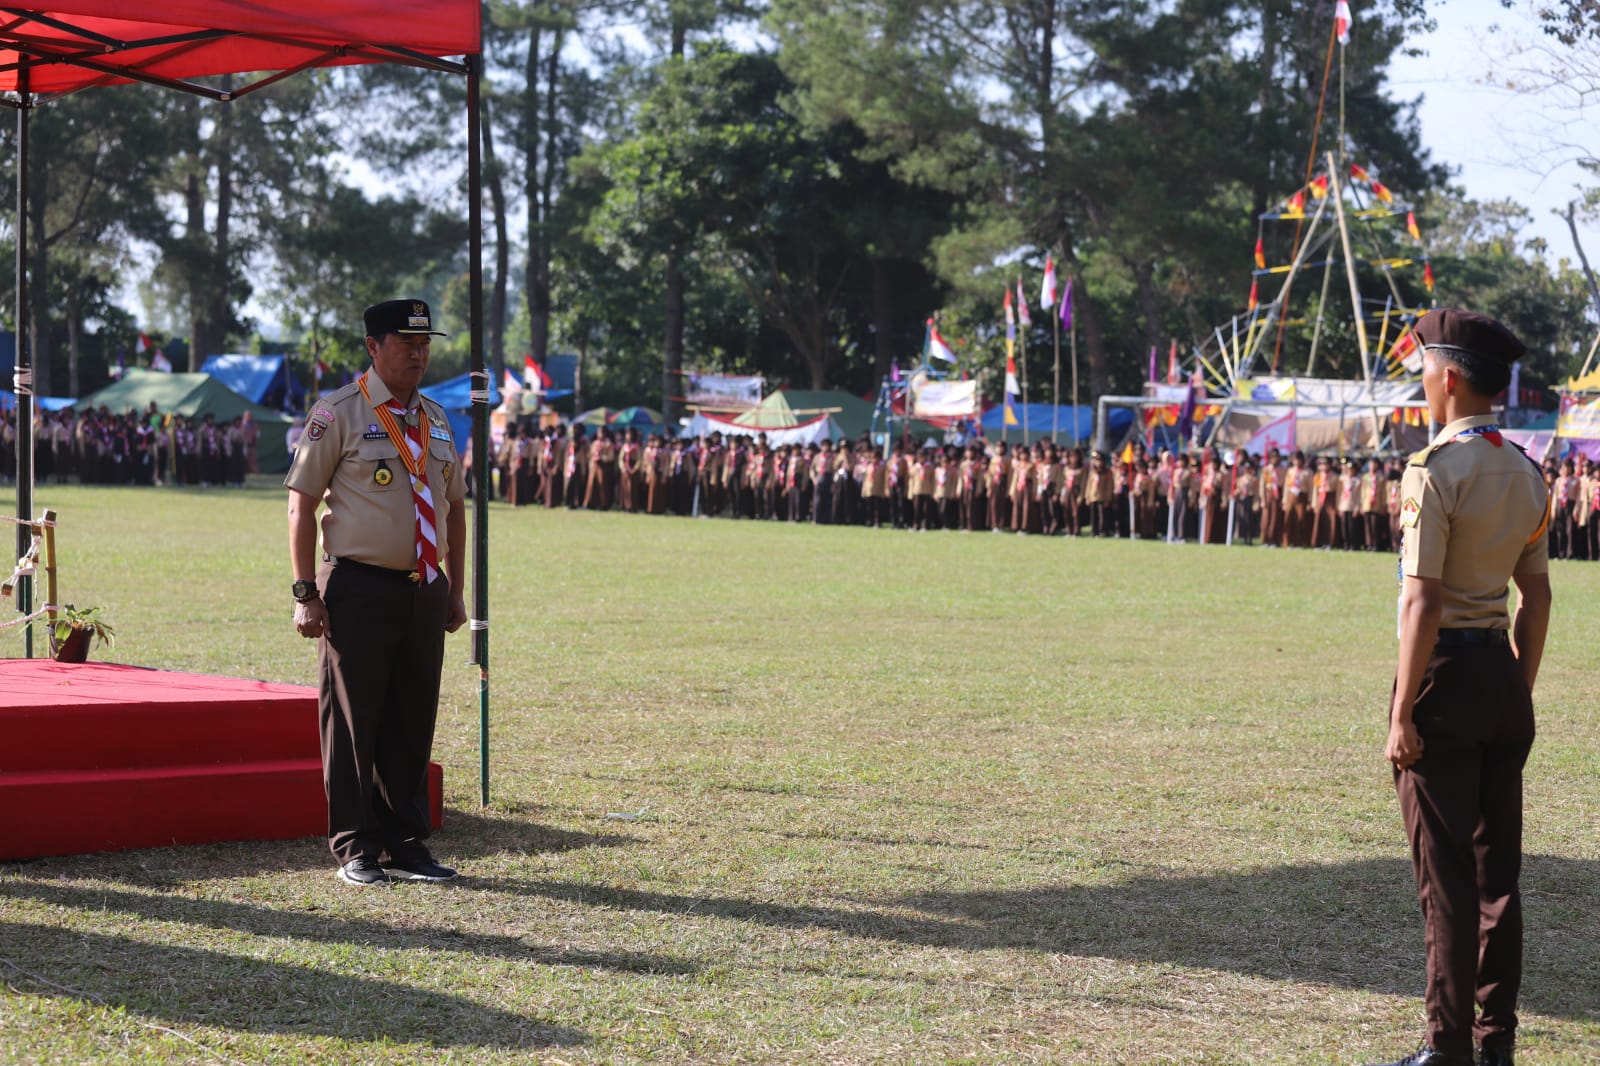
(1421, 458)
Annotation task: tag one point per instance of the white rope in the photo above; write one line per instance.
(26, 567)
(34, 617)
(477, 624)
(22, 381)
(480, 389)
(37, 523)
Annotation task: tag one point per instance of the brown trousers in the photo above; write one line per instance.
(1462, 805)
(379, 665)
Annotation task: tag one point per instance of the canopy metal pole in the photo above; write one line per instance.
(24, 367)
(480, 422)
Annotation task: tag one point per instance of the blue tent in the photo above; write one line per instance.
(455, 396)
(267, 380)
(8, 400)
(1042, 419)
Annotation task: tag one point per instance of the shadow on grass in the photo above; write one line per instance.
(323, 929)
(190, 986)
(466, 836)
(1353, 925)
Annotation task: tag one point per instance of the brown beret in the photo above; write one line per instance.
(1471, 333)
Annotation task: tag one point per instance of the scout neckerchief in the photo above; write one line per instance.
(408, 440)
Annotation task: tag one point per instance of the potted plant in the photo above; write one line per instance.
(72, 631)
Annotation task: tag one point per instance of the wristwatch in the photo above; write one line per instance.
(305, 591)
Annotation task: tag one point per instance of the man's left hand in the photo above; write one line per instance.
(1405, 745)
(458, 614)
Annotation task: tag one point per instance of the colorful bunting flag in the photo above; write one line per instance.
(1411, 226)
(1261, 255)
(1296, 206)
(1011, 327)
(1427, 275)
(1013, 390)
(1172, 363)
(1255, 296)
(511, 384)
(1066, 308)
(1381, 191)
(1152, 376)
(1319, 187)
(1022, 307)
(1359, 172)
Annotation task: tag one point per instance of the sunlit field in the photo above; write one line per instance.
(776, 793)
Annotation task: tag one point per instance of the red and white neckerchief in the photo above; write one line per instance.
(412, 445)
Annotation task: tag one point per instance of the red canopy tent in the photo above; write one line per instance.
(82, 44)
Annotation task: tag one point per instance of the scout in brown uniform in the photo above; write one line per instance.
(379, 456)
(1271, 496)
(1297, 503)
(998, 479)
(1371, 502)
(1461, 717)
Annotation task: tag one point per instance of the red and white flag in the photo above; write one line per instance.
(511, 384)
(936, 345)
(533, 374)
(1022, 306)
(1047, 290)
(143, 344)
(1342, 21)
(160, 362)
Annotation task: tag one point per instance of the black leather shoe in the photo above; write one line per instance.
(1489, 1055)
(1426, 1056)
(363, 871)
(417, 866)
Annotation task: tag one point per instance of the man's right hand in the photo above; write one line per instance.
(311, 618)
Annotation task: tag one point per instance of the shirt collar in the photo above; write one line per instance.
(1462, 424)
(380, 392)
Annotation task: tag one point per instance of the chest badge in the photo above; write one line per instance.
(383, 475)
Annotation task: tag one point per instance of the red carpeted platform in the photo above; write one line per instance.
(102, 757)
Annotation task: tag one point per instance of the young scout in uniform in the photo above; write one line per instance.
(1297, 503)
(1474, 516)
(998, 480)
(1270, 493)
(378, 456)
(1349, 487)
(1372, 506)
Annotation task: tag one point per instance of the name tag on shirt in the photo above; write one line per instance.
(440, 433)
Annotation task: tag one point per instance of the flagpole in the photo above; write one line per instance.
(1055, 391)
(1023, 342)
(1072, 340)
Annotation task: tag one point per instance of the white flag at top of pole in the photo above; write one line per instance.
(1342, 21)
(1047, 291)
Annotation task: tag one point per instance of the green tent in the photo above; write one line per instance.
(851, 413)
(194, 396)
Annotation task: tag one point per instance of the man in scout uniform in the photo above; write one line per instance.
(1474, 517)
(385, 589)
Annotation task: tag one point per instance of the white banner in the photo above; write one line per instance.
(722, 392)
(1579, 418)
(815, 431)
(943, 399)
(1279, 434)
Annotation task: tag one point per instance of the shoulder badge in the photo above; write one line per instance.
(1410, 511)
(315, 430)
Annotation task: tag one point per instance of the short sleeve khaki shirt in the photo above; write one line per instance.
(1473, 514)
(347, 460)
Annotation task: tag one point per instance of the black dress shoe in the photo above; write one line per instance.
(417, 866)
(363, 871)
(1489, 1055)
(1426, 1056)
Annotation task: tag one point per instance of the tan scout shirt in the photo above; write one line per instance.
(338, 462)
(1472, 515)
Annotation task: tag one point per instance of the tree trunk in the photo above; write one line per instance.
(672, 343)
(74, 345)
(1149, 301)
(194, 231)
(1093, 338)
(882, 319)
(536, 282)
(502, 251)
(38, 274)
(218, 310)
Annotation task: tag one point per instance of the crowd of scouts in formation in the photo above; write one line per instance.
(1287, 500)
(150, 448)
(1046, 489)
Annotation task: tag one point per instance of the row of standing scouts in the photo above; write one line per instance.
(1279, 500)
(97, 447)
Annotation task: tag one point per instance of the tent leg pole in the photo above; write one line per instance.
(24, 369)
(480, 420)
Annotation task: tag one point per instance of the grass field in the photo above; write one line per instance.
(888, 798)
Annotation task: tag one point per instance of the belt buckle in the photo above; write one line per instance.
(413, 577)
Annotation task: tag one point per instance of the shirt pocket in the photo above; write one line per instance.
(381, 465)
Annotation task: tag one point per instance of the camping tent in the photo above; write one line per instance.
(195, 396)
(790, 407)
(814, 430)
(455, 396)
(8, 400)
(264, 379)
(1045, 419)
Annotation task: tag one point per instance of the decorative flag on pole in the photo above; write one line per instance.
(1066, 307)
(1022, 307)
(1013, 390)
(320, 368)
(894, 371)
(533, 374)
(1319, 187)
(1342, 21)
(160, 362)
(1427, 274)
(1047, 291)
(1011, 326)
(1261, 255)
(1296, 206)
(1255, 295)
(937, 348)
(1359, 172)
(1279, 434)
(1152, 376)
(1186, 412)
(1172, 363)
(1381, 191)
(1411, 226)
(1515, 386)
(142, 345)
(511, 384)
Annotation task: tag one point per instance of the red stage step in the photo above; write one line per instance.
(102, 757)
